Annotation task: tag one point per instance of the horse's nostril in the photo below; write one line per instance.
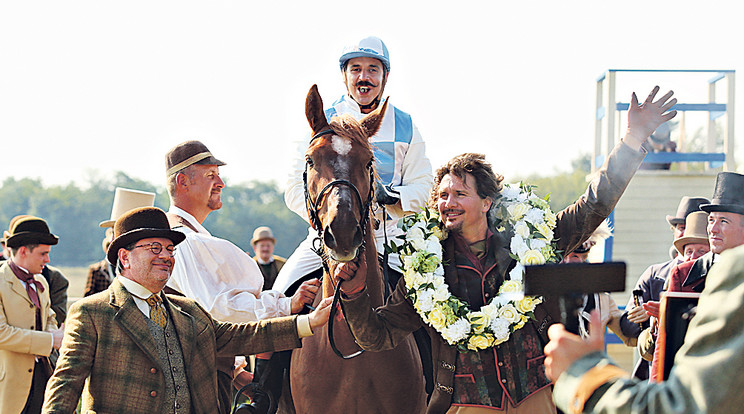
(328, 238)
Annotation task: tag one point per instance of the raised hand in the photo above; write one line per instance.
(652, 308)
(565, 348)
(643, 119)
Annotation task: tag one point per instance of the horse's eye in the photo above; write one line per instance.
(369, 164)
(309, 161)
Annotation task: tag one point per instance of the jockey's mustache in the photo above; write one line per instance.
(368, 84)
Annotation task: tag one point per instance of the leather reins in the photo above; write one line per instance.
(312, 208)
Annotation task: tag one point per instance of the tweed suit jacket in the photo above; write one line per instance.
(107, 340)
(19, 341)
(706, 377)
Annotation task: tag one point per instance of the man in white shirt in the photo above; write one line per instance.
(213, 271)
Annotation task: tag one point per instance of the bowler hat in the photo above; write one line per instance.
(262, 233)
(140, 223)
(29, 230)
(125, 200)
(686, 206)
(696, 231)
(186, 154)
(728, 195)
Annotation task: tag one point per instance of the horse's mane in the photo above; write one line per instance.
(346, 126)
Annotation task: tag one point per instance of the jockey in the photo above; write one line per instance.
(405, 174)
(404, 171)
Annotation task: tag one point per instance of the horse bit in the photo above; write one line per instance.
(312, 208)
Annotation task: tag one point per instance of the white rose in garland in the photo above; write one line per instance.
(527, 221)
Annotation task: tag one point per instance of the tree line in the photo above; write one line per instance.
(74, 211)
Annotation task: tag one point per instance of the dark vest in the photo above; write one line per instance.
(514, 367)
(176, 397)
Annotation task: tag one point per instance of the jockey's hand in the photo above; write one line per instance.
(305, 295)
(565, 348)
(353, 274)
(643, 119)
(385, 194)
(652, 308)
(637, 314)
(319, 316)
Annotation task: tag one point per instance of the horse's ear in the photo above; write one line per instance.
(314, 110)
(371, 123)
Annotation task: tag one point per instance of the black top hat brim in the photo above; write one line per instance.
(130, 237)
(25, 238)
(726, 208)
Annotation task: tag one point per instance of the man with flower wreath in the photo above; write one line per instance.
(487, 340)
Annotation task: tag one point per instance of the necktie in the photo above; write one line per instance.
(28, 278)
(157, 313)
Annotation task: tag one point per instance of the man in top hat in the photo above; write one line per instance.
(101, 274)
(652, 280)
(28, 329)
(134, 349)
(213, 271)
(725, 231)
(263, 243)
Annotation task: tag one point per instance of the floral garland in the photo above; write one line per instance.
(528, 220)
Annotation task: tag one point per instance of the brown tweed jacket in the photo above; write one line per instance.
(108, 341)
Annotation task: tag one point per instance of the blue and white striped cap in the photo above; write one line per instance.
(368, 47)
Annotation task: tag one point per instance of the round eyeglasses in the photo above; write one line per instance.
(156, 248)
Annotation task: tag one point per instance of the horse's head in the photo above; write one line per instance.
(339, 174)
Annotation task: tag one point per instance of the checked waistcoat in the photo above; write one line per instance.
(177, 398)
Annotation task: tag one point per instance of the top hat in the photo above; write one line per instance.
(686, 206)
(125, 200)
(186, 154)
(696, 231)
(140, 223)
(262, 233)
(728, 195)
(29, 230)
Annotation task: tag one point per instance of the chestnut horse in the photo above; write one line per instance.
(338, 180)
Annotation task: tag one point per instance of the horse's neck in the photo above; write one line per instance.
(374, 274)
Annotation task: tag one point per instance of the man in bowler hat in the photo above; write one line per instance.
(143, 351)
(28, 329)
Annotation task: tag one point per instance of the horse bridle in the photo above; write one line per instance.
(312, 208)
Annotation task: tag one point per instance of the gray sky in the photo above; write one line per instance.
(91, 87)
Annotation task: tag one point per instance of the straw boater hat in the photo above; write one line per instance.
(125, 200)
(140, 223)
(262, 233)
(29, 230)
(686, 206)
(696, 231)
(728, 195)
(186, 154)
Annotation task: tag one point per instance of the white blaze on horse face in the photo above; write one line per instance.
(342, 146)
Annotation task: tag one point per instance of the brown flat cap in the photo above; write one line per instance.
(188, 153)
